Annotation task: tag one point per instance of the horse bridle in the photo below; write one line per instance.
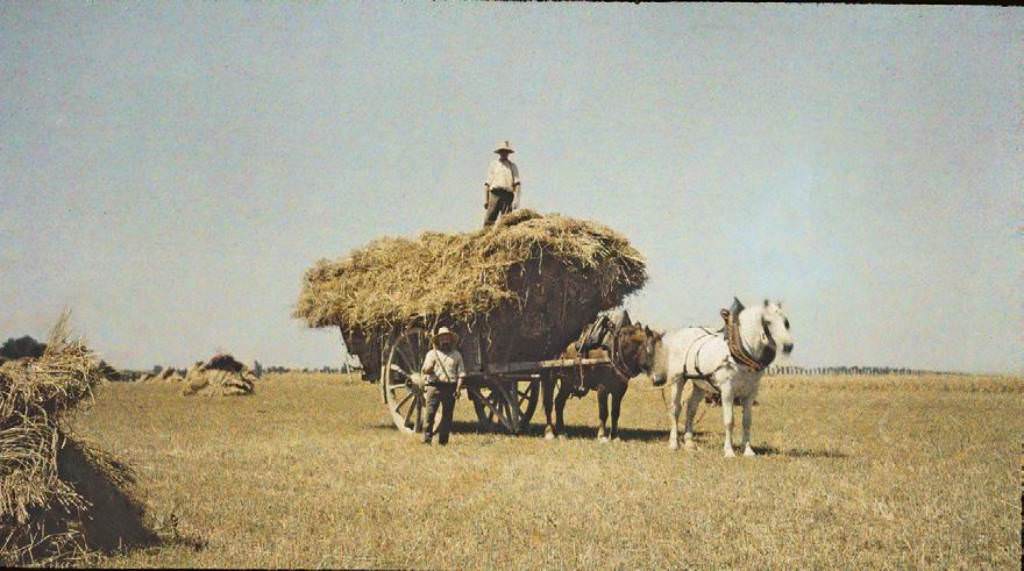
(767, 332)
(616, 356)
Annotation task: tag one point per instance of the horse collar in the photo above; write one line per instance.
(735, 343)
(615, 354)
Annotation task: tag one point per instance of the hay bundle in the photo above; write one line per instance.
(222, 375)
(154, 377)
(170, 375)
(532, 277)
(108, 372)
(57, 496)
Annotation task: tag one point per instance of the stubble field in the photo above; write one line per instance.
(884, 472)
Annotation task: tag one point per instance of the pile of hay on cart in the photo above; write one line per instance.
(222, 375)
(531, 282)
(59, 498)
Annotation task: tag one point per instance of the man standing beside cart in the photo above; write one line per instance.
(445, 372)
(501, 191)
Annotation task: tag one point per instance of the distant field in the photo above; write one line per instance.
(876, 471)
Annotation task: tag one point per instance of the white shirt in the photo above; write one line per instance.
(438, 363)
(502, 174)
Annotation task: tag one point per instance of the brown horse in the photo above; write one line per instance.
(631, 353)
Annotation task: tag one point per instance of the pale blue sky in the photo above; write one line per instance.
(169, 170)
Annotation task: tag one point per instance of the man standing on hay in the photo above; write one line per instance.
(445, 372)
(501, 191)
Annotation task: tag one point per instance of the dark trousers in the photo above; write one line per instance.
(499, 201)
(442, 394)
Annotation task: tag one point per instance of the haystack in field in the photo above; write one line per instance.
(58, 497)
(170, 375)
(533, 278)
(221, 375)
(108, 372)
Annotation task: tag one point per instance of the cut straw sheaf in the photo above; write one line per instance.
(59, 498)
(222, 374)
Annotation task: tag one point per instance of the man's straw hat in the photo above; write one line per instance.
(445, 331)
(504, 147)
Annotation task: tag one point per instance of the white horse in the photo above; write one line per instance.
(719, 362)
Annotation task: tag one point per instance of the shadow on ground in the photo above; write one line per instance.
(799, 452)
(586, 432)
(116, 521)
(115, 518)
(573, 431)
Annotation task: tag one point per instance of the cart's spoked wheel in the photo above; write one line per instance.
(492, 402)
(402, 382)
(527, 396)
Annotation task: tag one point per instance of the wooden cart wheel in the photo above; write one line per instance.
(506, 405)
(493, 409)
(402, 382)
(528, 395)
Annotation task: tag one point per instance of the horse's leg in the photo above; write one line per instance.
(563, 395)
(673, 413)
(616, 408)
(748, 412)
(727, 405)
(602, 412)
(692, 404)
(548, 386)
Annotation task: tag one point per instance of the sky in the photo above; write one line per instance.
(169, 170)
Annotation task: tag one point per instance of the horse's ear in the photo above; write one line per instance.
(737, 306)
(766, 302)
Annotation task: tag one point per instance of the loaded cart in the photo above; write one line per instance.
(504, 393)
(517, 294)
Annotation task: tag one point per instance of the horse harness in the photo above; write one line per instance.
(700, 378)
(594, 337)
(730, 331)
(732, 326)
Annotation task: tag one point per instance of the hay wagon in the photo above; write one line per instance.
(504, 393)
(516, 295)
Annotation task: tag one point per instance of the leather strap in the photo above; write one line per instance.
(735, 342)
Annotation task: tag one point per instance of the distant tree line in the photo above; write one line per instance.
(21, 347)
(847, 370)
(324, 369)
(27, 346)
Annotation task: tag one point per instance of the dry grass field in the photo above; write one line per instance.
(309, 472)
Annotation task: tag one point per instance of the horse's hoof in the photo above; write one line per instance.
(603, 439)
(673, 445)
(549, 436)
(561, 437)
(690, 446)
(729, 453)
(749, 452)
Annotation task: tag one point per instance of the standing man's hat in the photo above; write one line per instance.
(445, 331)
(504, 147)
